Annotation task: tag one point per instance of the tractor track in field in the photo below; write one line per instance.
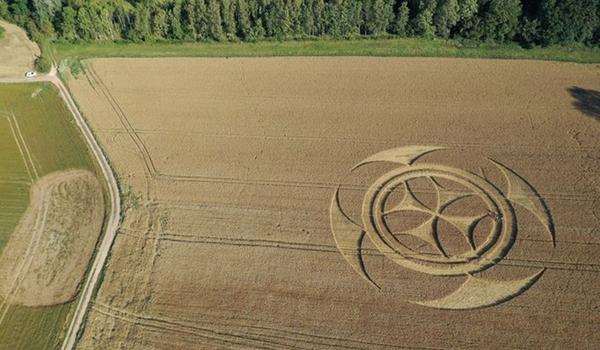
(40, 222)
(259, 337)
(113, 218)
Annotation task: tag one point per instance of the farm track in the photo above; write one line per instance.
(474, 145)
(321, 248)
(257, 336)
(23, 149)
(198, 207)
(29, 160)
(137, 140)
(16, 181)
(113, 218)
(322, 185)
(152, 171)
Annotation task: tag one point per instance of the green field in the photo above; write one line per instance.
(37, 136)
(409, 47)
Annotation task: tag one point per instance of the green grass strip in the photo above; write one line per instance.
(400, 47)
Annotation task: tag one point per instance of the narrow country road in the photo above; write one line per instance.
(113, 217)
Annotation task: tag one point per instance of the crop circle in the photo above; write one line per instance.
(493, 249)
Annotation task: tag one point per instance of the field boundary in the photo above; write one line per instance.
(94, 275)
(390, 47)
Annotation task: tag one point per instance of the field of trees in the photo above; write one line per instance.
(529, 22)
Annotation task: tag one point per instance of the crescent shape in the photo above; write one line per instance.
(402, 155)
(478, 292)
(348, 238)
(522, 193)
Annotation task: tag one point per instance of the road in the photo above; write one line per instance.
(115, 206)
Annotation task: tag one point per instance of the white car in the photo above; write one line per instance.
(31, 74)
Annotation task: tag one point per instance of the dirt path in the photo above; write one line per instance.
(17, 52)
(115, 206)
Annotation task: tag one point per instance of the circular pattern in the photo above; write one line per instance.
(436, 213)
(487, 254)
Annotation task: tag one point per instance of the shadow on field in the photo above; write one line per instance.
(587, 101)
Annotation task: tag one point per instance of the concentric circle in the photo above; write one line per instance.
(494, 248)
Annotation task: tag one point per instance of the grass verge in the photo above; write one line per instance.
(35, 328)
(406, 47)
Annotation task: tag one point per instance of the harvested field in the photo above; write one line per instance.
(17, 52)
(46, 258)
(249, 183)
(47, 230)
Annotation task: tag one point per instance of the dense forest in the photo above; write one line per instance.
(529, 22)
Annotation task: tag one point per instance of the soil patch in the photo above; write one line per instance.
(47, 255)
(17, 52)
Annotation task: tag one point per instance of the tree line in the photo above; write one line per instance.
(530, 22)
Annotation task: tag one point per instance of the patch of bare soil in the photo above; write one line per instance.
(17, 52)
(234, 237)
(46, 257)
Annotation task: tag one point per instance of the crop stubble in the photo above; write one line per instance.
(234, 162)
(47, 255)
(17, 52)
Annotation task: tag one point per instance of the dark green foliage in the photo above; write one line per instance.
(570, 21)
(141, 24)
(242, 20)
(214, 24)
(501, 20)
(446, 17)
(174, 22)
(276, 19)
(530, 22)
(85, 24)
(228, 15)
(69, 24)
(422, 24)
(43, 63)
(188, 19)
(160, 23)
(19, 12)
(378, 15)
(400, 26)
(342, 19)
(530, 32)
(4, 9)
